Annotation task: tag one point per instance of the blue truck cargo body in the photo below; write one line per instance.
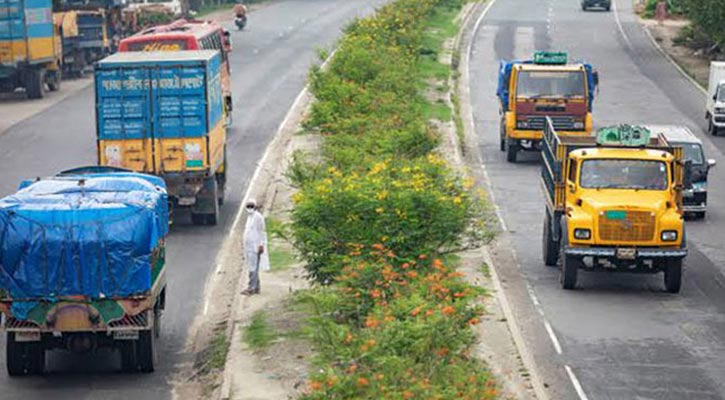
(158, 95)
(89, 235)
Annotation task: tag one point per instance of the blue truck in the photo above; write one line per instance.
(82, 266)
(162, 113)
(30, 48)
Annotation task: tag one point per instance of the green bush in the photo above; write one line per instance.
(708, 15)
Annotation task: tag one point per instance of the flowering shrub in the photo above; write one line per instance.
(391, 320)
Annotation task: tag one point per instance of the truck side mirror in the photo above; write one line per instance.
(687, 175)
(711, 163)
(595, 76)
(714, 97)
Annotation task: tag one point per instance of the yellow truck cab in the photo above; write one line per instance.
(547, 86)
(614, 203)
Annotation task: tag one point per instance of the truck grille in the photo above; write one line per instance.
(560, 123)
(636, 226)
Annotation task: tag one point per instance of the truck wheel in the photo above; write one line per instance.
(128, 356)
(24, 358)
(35, 84)
(213, 217)
(569, 265)
(608, 8)
(673, 275)
(502, 135)
(54, 80)
(146, 352)
(511, 151)
(550, 247)
(711, 128)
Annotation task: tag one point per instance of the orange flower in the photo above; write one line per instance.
(429, 312)
(362, 382)
(314, 385)
(348, 338)
(448, 310)
(416, 311)
(353, 368)
(371, 322)
(412, 274)
(407, 395)
(422, 256)
(473, 321)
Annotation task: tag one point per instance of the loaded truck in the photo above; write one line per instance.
(162, 113)
(715, 106)
(85, 37)
(545, 86)
(30, 47)
(614, 203)
(82, 267)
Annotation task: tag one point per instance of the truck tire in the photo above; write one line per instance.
(35, 84)
(502, 135)
(24, 358)
(54, 80)
(711, 128)
(673, 275)
(512, 150)
(146, 352)
(128, 356)
(550, 247)
(569, 264)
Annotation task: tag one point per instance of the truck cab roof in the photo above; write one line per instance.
(631, 153)
(545, 67)
(675, 134)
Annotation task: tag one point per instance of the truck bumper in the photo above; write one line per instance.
(639, 254)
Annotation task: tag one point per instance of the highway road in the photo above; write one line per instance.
(618, 336)
(270, 62)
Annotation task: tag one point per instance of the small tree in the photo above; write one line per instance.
(708, 15)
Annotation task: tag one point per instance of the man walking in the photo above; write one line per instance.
(255, 247)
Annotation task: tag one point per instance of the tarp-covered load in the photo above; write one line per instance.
(92, 235)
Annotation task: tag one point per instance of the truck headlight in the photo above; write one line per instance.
(522, 124)
(578, 125)
(582, 234)
(669, 236)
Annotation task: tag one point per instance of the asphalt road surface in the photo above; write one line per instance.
(618, 336)
(269, 68)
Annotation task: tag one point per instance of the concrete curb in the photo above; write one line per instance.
(474, 155)
(279, 143)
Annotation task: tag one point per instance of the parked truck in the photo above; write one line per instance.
(546, 86)
(715, 108)
(82, 267)
(30, 47)
(162, 113)
(614, 203)
(86, 38)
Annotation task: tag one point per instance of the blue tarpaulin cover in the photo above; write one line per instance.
(86, 235)
(504, 78)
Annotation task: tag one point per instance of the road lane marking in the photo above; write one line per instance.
(576, 384)
(619, 25)
(552, 336)
(496, 208)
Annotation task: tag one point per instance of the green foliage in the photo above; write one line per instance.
(708, 15)
(259, 333)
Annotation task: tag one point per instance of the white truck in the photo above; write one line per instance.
(715, 112)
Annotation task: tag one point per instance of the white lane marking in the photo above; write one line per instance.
(496, 208)
(532, 294)
(681, 70)
(524, 41)
(478, 26)
(552, 336)
(576, 384)
(619, 25)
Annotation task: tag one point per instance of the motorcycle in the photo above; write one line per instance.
(240, 21)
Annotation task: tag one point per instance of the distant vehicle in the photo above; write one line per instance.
(174, 7)
(30, 48)
(614, 203)
(82, 266)
(547, 86)
(715, 111)
(694, 197)
(240, 21)
(86, 38)
(605, 4)
(187, 35)
(162, 113)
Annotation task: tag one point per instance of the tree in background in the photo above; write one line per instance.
(708, 15)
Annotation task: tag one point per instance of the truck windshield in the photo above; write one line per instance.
(533, 84)
(693, 152)
(623, 174)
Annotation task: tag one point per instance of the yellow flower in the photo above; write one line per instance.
(382, 195)
(457, 200)
(379, 210)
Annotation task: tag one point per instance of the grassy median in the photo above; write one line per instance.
(375, 219)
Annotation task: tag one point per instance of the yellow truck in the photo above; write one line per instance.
(85, 38)
(30, 47)
(614, 203)
(545, 86)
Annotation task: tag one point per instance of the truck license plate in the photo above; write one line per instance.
(125, 335)
(27, 336)
(626, 254)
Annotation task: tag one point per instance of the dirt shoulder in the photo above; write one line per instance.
(694, 62)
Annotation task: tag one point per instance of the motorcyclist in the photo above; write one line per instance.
(240, 10)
